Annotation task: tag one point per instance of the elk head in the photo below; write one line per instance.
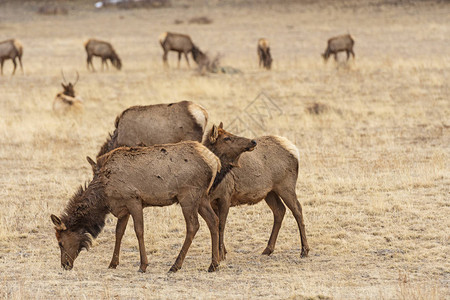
(70, 242)
(69, 88)
(228, 147)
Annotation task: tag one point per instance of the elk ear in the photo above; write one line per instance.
(92, 163)
(64, 87)
(221, 125)
(59, 225)
(214, 134)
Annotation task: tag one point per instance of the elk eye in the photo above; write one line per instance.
(227, 139)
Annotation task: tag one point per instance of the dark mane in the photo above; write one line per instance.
(220, 176)
(109, 144)
(86, 211)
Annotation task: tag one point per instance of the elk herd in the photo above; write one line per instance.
(169, 41)
(165, 154)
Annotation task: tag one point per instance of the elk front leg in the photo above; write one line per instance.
(120, 230)
(138, 219)
(278, 210)
(224, 207)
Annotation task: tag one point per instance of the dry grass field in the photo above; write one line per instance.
(374, 176)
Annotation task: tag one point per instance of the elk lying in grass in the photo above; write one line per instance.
(339, 44)
(128, 179)
(104, 50)
(265, 58)
(157, 124)
(269, 172)
(66, 100)
(10, 49)
(180, 43)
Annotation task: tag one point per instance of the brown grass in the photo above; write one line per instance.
(374, 176)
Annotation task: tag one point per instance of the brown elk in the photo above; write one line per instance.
(104, 50)
(269, 172)
(157, 124)
(180, 43)
(339, 44)
(10, 49)
(67, 100)
(150, 125)
(265, 58)
(125, 181)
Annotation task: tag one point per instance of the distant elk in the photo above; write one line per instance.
(268, 172)
(265, 58)
(180, 43)
(126, 180)
(339, 44)
(67, 100)
(104, 50)
(10, 49)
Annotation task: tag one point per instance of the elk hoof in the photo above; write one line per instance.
(142, 268)
(213, 267)
(267, 251)
(112, 266)
(173, 269)
(305, 251)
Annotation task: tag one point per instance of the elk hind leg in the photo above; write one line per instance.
(212, 221)
(120, 230)
(278, 209)
(290, 199)
(190, 212)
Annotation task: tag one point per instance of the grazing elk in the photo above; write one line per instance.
(339, 44)
(269, 172)
(66, 100)
(265, 59)
(157, 124)
(126, 180)
(180, 43)
(10, 49)
(150, 125)
(104, 50)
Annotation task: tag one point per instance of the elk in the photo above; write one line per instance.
(180, 43)
(66, 100)
(104, 50)
(10, 49)
(150, 125)
(269, 172)
(339, 44)
(126, 180)
(157, 124)
(263, 49)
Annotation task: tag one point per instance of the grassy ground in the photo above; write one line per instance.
(374, 176)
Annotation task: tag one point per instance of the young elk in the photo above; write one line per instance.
(269, 172)
(265, 59)
(339, 44)
(157, 124)
(180, 43)
(10, 49)
(126, 180)
(104, 50)
(66, 100)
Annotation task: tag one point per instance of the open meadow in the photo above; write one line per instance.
(373, 136)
